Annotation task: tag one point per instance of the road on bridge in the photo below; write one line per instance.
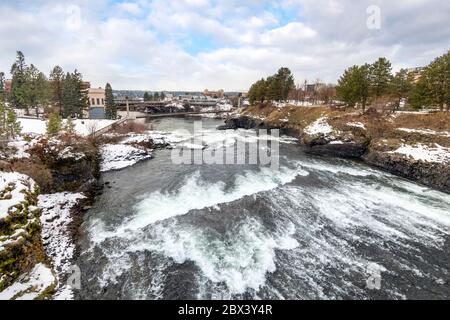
(177, 114)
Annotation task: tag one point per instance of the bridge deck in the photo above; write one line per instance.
(177, 114)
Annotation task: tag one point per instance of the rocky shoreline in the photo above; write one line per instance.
(354, 142)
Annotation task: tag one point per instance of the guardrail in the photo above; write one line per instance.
(108, 128)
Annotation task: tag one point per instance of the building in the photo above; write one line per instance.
(96, 98)
(213, 94)
(416, 73)
(8, 85)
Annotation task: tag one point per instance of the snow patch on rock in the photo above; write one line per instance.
(356, 125)
(426, 132)
(425, 153)
(320, 126)
(119, 156)
(13, 186)
(56, 237)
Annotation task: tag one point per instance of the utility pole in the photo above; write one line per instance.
(128, 107)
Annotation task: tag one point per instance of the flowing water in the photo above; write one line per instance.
(317, 228)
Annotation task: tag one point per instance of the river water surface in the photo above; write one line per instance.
(317, 228)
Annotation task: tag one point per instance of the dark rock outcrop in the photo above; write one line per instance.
(242, 123)
(355, 143)
(434, 175)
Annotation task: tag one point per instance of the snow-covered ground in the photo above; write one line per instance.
(294, 103)
(426, 132)
(55, 221)
(30, 285)
(13, 186)
(56, 237)
(119, 156)
(83, 127)
(425, 153)
(356, 125)
(320, 126)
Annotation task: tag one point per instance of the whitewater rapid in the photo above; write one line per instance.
(316, 228)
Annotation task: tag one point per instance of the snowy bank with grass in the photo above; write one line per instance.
(83, 127)
(31, 285)
(57, 239)
(424, 153)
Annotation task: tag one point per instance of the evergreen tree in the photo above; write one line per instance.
(286, 82)
(110, 106)
(146, 96)
(380, 77)
(2, 120)
(73, 100)
(56, 83)
(419, 96)
(156, 96)
(354, 85)
(53, 124)
(18, 70)
(162, 96)
(436, 80)
(82, 100)
(257, 91)
(2, 87)
(70, 126)
(13, 127)
(402, 85)
(36, 89)
(273, 89)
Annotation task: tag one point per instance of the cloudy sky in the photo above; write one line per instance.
(198, 44)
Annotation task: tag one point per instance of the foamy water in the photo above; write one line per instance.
(316, 228)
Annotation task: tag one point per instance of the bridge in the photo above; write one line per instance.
(138, 105)
(178, 114)
(161, 106)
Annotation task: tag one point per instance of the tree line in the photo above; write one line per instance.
(154, 96)
(61, 93)
(375, 83)
(274, 88)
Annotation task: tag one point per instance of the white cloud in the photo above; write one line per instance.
(130, 7)
(142, 45)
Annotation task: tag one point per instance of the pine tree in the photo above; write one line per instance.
(162, 96)
(73, 100)
(13, 127)
(156, 96)
(380, 77)
(56, 83)
(36, 89)
(436, 79)
(68, 96)
(286, 82)
(2, 87)
(2, 120)
(70, 126)
(110, 106)
(146, 96)
(401, 85)
(354, 85)
(18, 70)
(53, 124)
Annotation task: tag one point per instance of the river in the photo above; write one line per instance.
(317, 228)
